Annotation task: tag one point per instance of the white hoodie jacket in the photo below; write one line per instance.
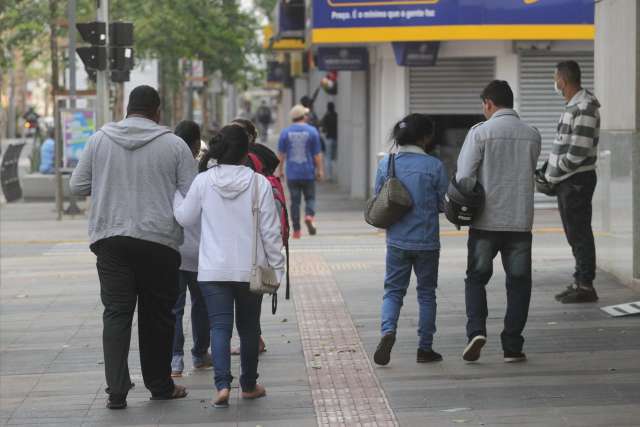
(221, 198)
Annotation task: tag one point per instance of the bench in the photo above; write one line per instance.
(41, 187)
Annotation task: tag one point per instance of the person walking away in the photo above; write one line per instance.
(501, 154)
(299, 148)
(132, 169)
(413, 243)
(330, 128)
(224, 195)
(255, 163)
(312, 117)
(572, 170)
(264, 118)
(48, 154)
(189, 132)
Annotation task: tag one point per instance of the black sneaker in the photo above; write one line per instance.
(472, 352)
(311, 226)
(382, 356)
(566, 292)
(428, 356)
(117, 400)
(514, 357)
(580, 294)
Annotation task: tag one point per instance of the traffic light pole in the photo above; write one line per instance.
(102, 84)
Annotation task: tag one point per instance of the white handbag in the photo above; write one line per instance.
(263, 278)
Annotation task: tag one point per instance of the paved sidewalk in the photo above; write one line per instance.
(51, 365)
(583, 368)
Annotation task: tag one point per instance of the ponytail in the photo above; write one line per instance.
(229, 146)
(412, 129)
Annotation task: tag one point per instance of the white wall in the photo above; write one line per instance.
(352, 139)
(617, 84)
(616, 20)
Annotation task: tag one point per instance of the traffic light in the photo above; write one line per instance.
(94, 33)
(120, 50)
(116, 57)
(94, 57)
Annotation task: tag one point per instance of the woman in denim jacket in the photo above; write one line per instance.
(414, 241)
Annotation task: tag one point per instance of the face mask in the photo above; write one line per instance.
(557, 89)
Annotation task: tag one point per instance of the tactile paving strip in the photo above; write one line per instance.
(344, 387)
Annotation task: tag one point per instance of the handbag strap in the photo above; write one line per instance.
(391, 170)
(255, 212)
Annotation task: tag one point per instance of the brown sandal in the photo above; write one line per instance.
(222, 402)
(179, 391)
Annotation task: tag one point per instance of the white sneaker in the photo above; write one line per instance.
(472, 352)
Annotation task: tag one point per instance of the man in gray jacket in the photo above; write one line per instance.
(501, 154)
(131, 170)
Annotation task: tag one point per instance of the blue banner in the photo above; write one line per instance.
(574, 16)
(416, 54)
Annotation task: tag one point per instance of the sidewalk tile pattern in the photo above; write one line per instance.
(345, 390)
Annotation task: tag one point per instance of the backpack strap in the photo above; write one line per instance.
(286, 248)
(274, 302)
(255, 212)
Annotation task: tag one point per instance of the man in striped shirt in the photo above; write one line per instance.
(572, 169)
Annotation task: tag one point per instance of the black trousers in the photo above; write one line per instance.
(133, 270)
(515, 251)
(574, 202)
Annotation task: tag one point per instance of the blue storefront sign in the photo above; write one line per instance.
(342, 21)
(416, 54)
(342, 58)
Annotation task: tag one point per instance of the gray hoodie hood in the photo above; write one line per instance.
(230, 181)
(134, 132)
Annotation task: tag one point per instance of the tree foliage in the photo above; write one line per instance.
(266, 7)
(214, 31)
(23, 26)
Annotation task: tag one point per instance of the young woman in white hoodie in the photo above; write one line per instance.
(222, 198)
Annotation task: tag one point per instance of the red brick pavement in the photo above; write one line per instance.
(344, 387)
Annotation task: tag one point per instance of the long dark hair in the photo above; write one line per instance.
(229, 146)
(414, 129)
(189, 131)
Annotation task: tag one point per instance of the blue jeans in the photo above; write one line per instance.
(396, 281)
(515, 250)
(221, 298)
(199, 318)
(297, 188)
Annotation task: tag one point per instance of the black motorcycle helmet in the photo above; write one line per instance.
(461, 205)
(542, 185)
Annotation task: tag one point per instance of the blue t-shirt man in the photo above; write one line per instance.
(47, 156)
(300, 144)
(300, 149)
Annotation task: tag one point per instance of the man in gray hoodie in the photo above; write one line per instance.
(132, 169)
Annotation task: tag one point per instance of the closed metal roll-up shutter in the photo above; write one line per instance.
(540, 105)
(452, 86)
